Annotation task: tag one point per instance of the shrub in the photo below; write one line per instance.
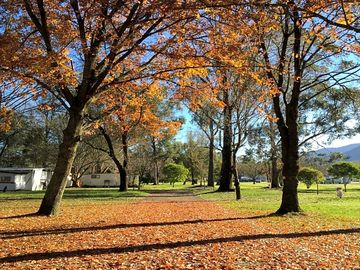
(310, 176)
(175, 173)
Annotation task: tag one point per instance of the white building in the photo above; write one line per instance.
(105, 180)
(100, 180)
(24, 178)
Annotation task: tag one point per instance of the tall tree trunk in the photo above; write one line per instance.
(290, 157)
(50, 204)
(290, 136)
(274, 158)
(287, 122)
(226, 168)
(211, 155)
(156, 166)
(124, 182)
(236, 178)
(274, 173)
(156, 173)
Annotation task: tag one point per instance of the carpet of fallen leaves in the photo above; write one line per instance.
(172, 234)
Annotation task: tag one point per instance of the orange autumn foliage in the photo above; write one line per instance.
(178, 232)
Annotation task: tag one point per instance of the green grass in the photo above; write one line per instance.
(93, 193)
(75, 194)
(165, 186)
(259, 198)
(255, 198)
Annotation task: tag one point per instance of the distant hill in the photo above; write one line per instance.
(352, 151)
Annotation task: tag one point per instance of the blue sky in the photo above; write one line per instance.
(320, 142)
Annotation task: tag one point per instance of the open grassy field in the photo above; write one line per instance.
(258, 198)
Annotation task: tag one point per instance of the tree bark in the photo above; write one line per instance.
(287, 122)
(124, 181)
(50, 204)
(274, 173)
(112, 153)
(290, 157)
(236, 178)
(289, 133)
(226, 168)
(156, 166)
(211, 155)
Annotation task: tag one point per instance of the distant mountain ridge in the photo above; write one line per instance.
(352, 151)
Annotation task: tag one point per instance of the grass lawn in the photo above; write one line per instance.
(25, 202)
(75, 194)
(165, 186)
(258, 198)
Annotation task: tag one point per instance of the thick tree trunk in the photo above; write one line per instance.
(124, 181)
(290, 159)
(274, 173)
(211, 155)
(289, 132)
(236, 178)
(50, 204)
(226, 168)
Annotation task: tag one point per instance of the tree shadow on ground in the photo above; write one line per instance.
(19, 199)
(158, 246)
(21, 216)
(58, 231)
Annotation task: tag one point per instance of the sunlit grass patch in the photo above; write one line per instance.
(259, 198)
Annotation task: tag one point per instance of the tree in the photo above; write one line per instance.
(132, 113)
(33, 139)
(310, 176)
(195, 157)
(206, 119)
(265, 137)
(251, 168)
(345, 170)
(95, 54)
(302, 52)
(175, 173)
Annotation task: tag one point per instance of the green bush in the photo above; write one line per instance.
(310, 176)
(175, 173)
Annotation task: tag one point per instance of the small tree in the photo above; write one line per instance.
(346, 170)
(175, 173)
(310, 176)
